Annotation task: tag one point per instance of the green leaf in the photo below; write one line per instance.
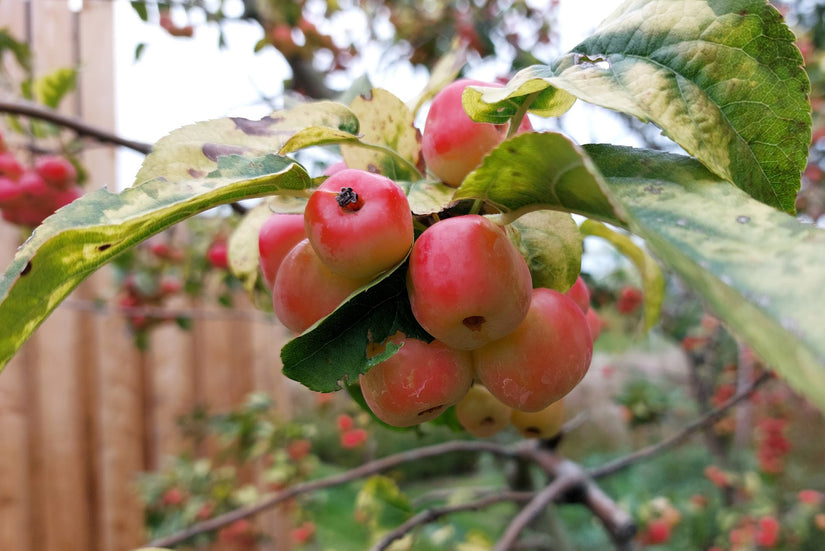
(52, 88)
(653, 282)
(140, 8)
(759, 269)
(191, 152)
(723, 79)
(372, 153)
(551, 243)
(386, 121)
(498, 105)
(535, 171)
(20, 50)
(334, 350)
(89, 232)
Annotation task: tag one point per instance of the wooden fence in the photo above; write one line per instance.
(82, 410)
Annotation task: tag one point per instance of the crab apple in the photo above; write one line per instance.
(594, 321)
(452, 143)
(543, 359)
(359, 223)
(218, 254)
(418, 382)
(305, 290)
(10, 167)
(57, 171)
(9, 192)
(467, 283)
(629, 300)
(482, 414)
(279, 234)
(545, 423)
(580, 294)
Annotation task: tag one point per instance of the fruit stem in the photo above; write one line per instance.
(521, 112)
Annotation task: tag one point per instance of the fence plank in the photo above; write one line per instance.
(121, 425)
(173, 389)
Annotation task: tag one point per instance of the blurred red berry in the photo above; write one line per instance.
(629, 299)
(57, 171)
(10, 167)
(353, 438)
(345, 422)
(173, 497)
(656, 532)
(767, 532)
(303, 533)
(298, 449)
(810, 497)
(218, 254)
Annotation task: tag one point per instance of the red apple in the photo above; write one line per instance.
(543, 359)
(417, 383)
(452, 143)
(305, 290)
(279, 234)
(468, 285)
(359, 223)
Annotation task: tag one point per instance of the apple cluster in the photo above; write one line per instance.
(30, 194)
(501, 351)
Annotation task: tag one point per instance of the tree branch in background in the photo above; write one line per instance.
(680, 437)
(525, 450)
(81, 128)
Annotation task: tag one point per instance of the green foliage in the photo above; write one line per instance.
(725, 83)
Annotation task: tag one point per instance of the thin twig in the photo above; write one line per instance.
(434, 513)
(550, 493)
(82, 128)
(709, 418)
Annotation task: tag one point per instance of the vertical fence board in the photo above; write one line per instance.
(15, 502)
(121, 429)
(62, 450)
(173, 389)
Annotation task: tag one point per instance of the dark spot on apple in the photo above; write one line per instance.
(27, 269)
(474, 323)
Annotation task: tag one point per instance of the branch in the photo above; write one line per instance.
(367, 469)
(433, 514)
(706, 420)
(550, 493)
(35, 111)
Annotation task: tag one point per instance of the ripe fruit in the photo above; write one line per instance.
(57, 171)
(359, 223)
(417, 383)
(452, 143)
(595, 323)
(543, 359)
(629, 300)
(545, 423)
(580, 294)
(279, 234)
(218, 254)
(482, 414)
(305, 290)
(468, 285)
